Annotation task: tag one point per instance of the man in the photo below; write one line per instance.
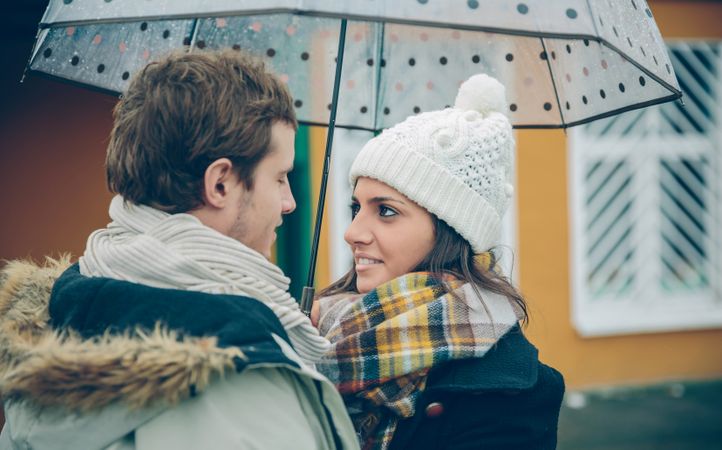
(174, 330)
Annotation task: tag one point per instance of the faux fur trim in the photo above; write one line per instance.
(45, 368)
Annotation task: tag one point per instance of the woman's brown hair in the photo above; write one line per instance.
(453, 255)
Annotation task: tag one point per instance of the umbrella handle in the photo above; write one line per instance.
(308, 290)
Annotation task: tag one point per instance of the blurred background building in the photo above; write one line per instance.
(615, 238)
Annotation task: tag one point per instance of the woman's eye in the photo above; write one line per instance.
(385, 211)
(354, 210)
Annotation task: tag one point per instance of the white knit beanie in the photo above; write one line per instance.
(455, 163)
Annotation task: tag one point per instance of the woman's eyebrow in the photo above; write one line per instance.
(380, 200)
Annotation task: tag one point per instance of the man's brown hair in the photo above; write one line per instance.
(185, 111)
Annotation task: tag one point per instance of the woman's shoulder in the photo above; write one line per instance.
(512, 364)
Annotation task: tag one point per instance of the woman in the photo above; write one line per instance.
(427, 350)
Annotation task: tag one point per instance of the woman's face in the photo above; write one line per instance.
(389, 234)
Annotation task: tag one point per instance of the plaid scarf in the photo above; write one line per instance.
(385, 342)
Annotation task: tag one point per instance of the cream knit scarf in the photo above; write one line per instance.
(147, 246)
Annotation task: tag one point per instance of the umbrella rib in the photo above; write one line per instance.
(307, 297)
(377, 82)
(194, 35)
(554, 84)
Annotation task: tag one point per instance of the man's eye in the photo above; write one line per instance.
(385, 211)
(354, 210)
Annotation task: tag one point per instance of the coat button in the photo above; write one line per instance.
(434, 409)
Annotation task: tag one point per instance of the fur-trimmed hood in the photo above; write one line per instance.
(57, 367)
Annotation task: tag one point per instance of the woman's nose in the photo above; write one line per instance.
(358, 232)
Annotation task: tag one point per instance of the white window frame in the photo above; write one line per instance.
(646, 308)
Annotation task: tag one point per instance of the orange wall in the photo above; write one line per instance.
(545, 266)
(51, 167)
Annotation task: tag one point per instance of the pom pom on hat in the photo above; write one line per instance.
(481, 93)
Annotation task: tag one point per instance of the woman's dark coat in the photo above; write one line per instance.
(505, 400)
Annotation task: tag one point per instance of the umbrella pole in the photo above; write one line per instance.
(308, 290)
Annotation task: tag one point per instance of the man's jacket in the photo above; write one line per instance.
(96, 363)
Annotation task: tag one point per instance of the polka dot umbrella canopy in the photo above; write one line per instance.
(563, 62)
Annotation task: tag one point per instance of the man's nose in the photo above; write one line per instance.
(288, 203)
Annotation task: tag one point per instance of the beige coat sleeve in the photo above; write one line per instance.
(262, 408)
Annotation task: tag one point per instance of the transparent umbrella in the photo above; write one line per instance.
(563, 63)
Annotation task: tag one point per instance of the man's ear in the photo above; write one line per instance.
(217, 182)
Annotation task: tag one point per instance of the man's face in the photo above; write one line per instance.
(259, 210)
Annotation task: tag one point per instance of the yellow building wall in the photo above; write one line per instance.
(544, 263)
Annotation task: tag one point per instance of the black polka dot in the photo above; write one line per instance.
(383, 62)
(643, 52)
(669, 70)
(621, 87)
(125, 75)
(166, 33)
(143, 26)
(387, 111)
(443, 60)
(412, 62)
(304, 56)
(629, 41)
(642, 81)
(271, 52)
(543, 56)
(101, 68)
(298, 103)
(634, 4)
(423, 2)
(656, 63)
(601, 21)
(512, 107)
(567, 106)
(48, 51)
(554, 54)
(74, 60)
(649, 13)
(236, 47)
(569, 48)
(473, 4)
(475, 59)
(616, 33)
(187, 40)
(417, 110)
(572, 13)
(547, 106)
(67, 2)
(584, 99)
(364, 110)
(370, 62)
(522, 8)
(509, 57)
(328, 107)
(586, 42)
(201, 44)
(602, 93)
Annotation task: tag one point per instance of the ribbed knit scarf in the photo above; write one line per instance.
(176, 251)
(384, 343)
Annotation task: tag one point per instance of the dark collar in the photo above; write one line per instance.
(511, 364)
(93, 306)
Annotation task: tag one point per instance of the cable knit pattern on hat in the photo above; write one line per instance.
(455, 163)
(176, 251)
